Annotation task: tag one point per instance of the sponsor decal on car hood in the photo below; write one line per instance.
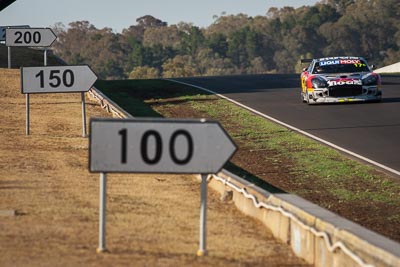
(344, 81)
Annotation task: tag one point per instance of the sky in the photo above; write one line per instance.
(120, 14)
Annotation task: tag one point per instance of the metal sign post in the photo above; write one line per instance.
(102, 213)
(83, 115)
(203, 217)
(9, 56)
(27, 114)
(45, 57)
(156, 145)
(58, 79)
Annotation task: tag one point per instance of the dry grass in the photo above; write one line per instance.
(152, 219)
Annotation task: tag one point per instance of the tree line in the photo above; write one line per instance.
(237, 44)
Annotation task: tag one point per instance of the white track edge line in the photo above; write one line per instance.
(295, 129)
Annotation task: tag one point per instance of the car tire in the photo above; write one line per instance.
(303, 97)
(308, 100)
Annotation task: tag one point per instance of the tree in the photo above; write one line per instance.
(82, 43)
(236, 44)
(192, 40)
(209, 63)
(149, 21)
(339, 5)
(228, 24)
(179, 66)
(166, 36)
(144, 72)
(218, 43)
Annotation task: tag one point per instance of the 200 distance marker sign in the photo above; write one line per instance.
(33, 37)
(158, 146)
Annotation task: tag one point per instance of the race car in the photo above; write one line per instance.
(339, 79)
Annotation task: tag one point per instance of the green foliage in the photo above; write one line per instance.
(179, 66)
(192, 41)
(144, 72)
(236, 44)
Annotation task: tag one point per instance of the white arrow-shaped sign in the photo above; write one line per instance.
(158, 146)
(41, 37)
(57, 79)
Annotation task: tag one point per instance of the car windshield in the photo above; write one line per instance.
(340, 66)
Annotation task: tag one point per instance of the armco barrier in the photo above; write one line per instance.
(315, 234)
(107, 104)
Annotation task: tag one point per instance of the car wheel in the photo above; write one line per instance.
(308, 100)
(303, 97)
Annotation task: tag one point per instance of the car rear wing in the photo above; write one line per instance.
(306, 60)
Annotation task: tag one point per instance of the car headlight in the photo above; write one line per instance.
(370, 80)
(318, 83)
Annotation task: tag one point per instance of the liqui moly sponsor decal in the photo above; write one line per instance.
(329, 62)
(339, 61)
(344, 82)
(350, 61)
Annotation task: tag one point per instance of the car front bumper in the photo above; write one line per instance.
(320, 96)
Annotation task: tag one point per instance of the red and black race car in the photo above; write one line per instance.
(339, 79)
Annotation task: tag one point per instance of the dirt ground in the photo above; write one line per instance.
(152, 220)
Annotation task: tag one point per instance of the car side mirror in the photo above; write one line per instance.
(373, 67)
(304, 69)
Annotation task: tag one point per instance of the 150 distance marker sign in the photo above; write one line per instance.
(57, 79)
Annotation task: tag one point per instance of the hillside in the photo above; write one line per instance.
(237, 44)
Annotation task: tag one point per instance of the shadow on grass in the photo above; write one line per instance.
(150, 89)
(132, 94)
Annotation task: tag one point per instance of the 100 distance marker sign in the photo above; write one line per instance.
(157, 145)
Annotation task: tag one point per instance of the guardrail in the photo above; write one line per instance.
(319, 236)
(107, 104)
(315, 234)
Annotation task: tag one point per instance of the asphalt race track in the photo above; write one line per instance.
(371, 130)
